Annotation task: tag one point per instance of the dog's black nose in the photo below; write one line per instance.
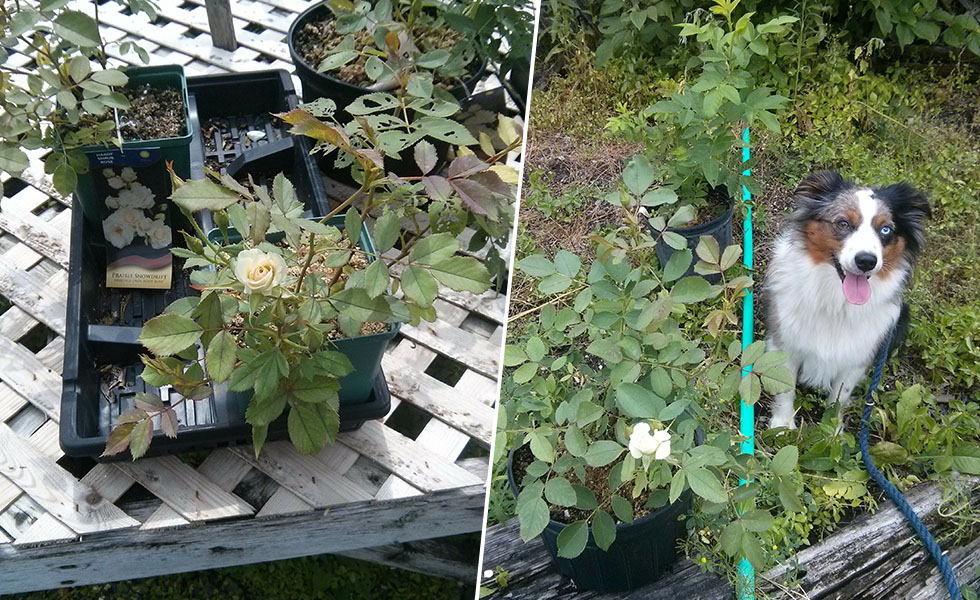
(865, 261)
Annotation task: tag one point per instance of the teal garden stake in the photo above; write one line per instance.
(746, 574)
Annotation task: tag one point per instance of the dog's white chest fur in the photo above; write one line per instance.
(826, 337)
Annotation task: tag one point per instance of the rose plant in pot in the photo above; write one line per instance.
(285, 299)
(343, 49)
(693, 146)
(618, 411)
(73, 104)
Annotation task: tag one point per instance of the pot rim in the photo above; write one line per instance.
(712, 224)
(140, 144)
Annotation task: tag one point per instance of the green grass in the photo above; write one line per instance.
(324, 577)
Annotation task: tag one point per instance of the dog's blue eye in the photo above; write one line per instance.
(886, 230)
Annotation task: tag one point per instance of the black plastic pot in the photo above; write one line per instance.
(643, 552)
(103, 326)
(719, 228)
(323, 85)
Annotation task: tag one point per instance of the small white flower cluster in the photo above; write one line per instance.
(129, 218)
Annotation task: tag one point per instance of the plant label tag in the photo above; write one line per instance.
(134, 187)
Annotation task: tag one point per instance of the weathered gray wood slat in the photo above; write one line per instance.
(135, 554)
(874, 557)
(189, 493)
(304, 476)
(28, 377)
(473, 351)
(452, 558)
(38, 234)
(42, 298)
(404, 458)
(75, 504)
(440, 400)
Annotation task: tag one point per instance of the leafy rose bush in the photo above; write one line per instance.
(278, 288)
(613, 382)
(66, 100)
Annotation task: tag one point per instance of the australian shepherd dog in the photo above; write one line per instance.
(836, 280)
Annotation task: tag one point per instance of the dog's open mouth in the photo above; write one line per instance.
(857, 288)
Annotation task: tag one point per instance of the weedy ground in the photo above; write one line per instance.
(899, 121)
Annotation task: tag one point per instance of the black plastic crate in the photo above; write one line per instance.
(102, 366)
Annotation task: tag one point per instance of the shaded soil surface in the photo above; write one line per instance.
(573, 162)
(154, 113)
(597, 480)
(317, 38)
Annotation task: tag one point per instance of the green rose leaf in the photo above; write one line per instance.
(203, 194)
(638, 174)
(13, 160)
(536, 265)
(312, 426)
(757, 521)
(445, 130)
(419, 286)
(376, 278)
(575, 442)
(603, 529)
(434, 249)
(602, 453)
(677, 265)
(572, 539)
(785, 461)
(533, 516)
(386, 230)
(65, 179)
(622, 508)
(559, 491)
(705, 483)
(221, 356)
(693, 289)
(168, 334)
(78, 28)
(140, 438)
(638, 402)
(462, 274)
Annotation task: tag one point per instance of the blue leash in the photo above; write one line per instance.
(891, 491)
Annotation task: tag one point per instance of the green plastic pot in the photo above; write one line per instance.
(364, 351)
(139, 152)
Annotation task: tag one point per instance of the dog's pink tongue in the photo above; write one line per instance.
(857, 290)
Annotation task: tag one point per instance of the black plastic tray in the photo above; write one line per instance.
(103, 325)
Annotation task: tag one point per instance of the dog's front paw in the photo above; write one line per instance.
(781, 418)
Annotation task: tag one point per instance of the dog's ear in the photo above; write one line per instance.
(910, 209)
(820, 187)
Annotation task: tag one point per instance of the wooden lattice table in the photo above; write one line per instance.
(419, 474)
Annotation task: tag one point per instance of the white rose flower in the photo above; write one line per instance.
(137, 196)
(112, 202)
(146, 225)
(128, 175)
(259, 271)
(131, 217)
(159, 236)
(117, 233)
(107, 173)
(649, 447)
(116, 183)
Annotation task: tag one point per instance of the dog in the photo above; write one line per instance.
(836, 281)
